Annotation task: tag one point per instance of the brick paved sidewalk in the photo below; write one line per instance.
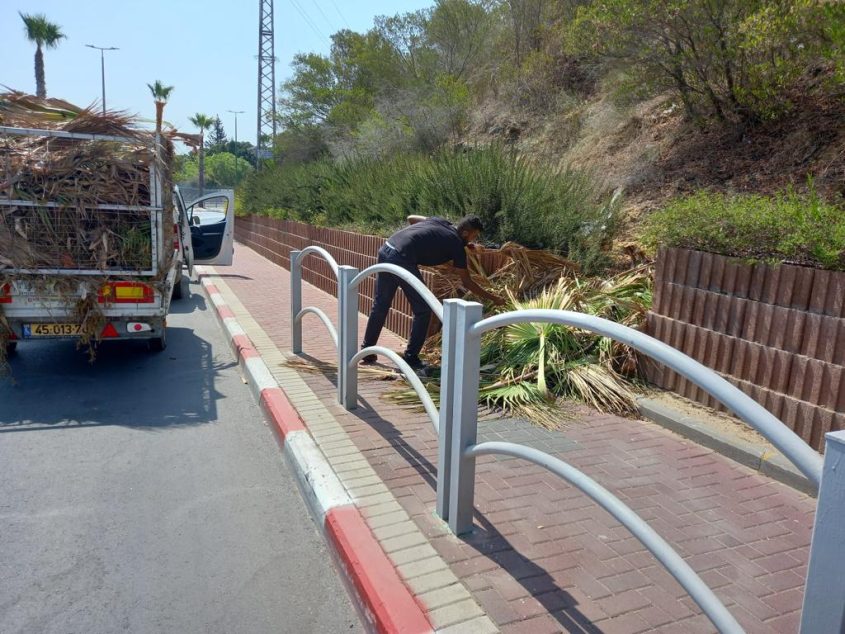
(543, 557)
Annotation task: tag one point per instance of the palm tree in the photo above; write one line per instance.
(43, 33)
(160, 93)
(203, 122)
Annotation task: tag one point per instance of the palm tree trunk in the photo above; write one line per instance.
(40, 83)
(159, 114)
(202, 166)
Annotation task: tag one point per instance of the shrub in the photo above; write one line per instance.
(788, 227)
(537, 207)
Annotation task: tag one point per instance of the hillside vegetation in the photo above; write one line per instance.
(533, 113)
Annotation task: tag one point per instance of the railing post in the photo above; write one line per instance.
(464, 417)
(295, 302)
(824, 592)
(447, 389)
(347, 337)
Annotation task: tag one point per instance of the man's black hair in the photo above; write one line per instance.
(470, 222)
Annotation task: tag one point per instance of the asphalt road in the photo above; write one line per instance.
(145, 493)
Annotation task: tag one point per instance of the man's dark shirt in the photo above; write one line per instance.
(430, 242)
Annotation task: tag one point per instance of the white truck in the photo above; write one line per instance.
(132, 301)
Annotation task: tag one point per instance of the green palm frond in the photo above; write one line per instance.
(527, 368)
(159, 91)
(202, 121)
(40, 30)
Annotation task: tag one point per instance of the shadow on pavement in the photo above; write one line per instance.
(53, 385)
(488, 541)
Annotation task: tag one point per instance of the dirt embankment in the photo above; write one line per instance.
(653, 153)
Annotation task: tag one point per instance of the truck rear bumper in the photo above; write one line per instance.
(39, 329)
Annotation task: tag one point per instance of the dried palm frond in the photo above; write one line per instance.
(83, 174)
(60, 183)
(526, 368)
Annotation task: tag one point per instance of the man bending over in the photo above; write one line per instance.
(426, 242)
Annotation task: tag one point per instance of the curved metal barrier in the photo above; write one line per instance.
(463, 327)
(323, 317)
(296, 309)
(787, 442)
(686, 576)
(410, 376)
(318, 251)
(417, 284)
(456, 423)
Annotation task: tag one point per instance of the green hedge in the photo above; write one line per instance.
(788, 227)
(542, 208)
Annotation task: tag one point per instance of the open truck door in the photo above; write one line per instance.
(212, 228)
(207, 229)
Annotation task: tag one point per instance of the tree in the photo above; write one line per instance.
(458, 29)
(241, 149)
(44, 34)
(728, 59)
(309, 96)
(222, 169)
(203, 122)
(217, 135)
(227, 170)
(161, 94)
(526, 19)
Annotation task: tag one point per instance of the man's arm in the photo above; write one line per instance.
(412, 220)
(472, 287)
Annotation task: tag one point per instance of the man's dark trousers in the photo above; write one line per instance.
(386, 285)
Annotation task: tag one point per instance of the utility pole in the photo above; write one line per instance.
(266, 115)
(236, 113)
(103, 68)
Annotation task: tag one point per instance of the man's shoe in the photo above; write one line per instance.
(421, 368)
(370, 359)
(414, 361)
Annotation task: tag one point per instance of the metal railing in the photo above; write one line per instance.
(456, 423)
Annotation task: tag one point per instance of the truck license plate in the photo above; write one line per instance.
(50, 330)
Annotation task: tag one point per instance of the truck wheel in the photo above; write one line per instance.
(179, 285)
(157, 344)
(11, 347)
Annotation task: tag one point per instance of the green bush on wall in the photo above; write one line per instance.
(788, 227)
(542, 208)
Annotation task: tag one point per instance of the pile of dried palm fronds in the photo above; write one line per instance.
(60, 182)
(526, 368)
(77, 175)
(514, 267)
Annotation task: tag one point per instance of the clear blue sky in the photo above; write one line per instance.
(206, 49)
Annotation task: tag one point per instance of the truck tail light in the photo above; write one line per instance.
(6, 294)
(176, 237)
(126, 293)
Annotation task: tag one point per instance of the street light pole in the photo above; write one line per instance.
(103, 68)
(236, 113)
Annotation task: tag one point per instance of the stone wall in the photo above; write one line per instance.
(776, 332)
(275, 239)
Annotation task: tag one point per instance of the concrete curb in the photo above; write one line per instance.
(386, 603)
(759, 458)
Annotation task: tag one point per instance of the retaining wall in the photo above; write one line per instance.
(776, 332)
(275, 239)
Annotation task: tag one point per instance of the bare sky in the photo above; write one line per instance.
(206, 49)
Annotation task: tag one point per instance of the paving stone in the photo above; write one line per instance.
(537, 539)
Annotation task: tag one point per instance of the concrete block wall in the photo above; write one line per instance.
(776, 332)
(275, 239)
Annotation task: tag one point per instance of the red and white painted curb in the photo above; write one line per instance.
(385, 601)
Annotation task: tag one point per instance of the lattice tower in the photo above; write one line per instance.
(266, 116)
